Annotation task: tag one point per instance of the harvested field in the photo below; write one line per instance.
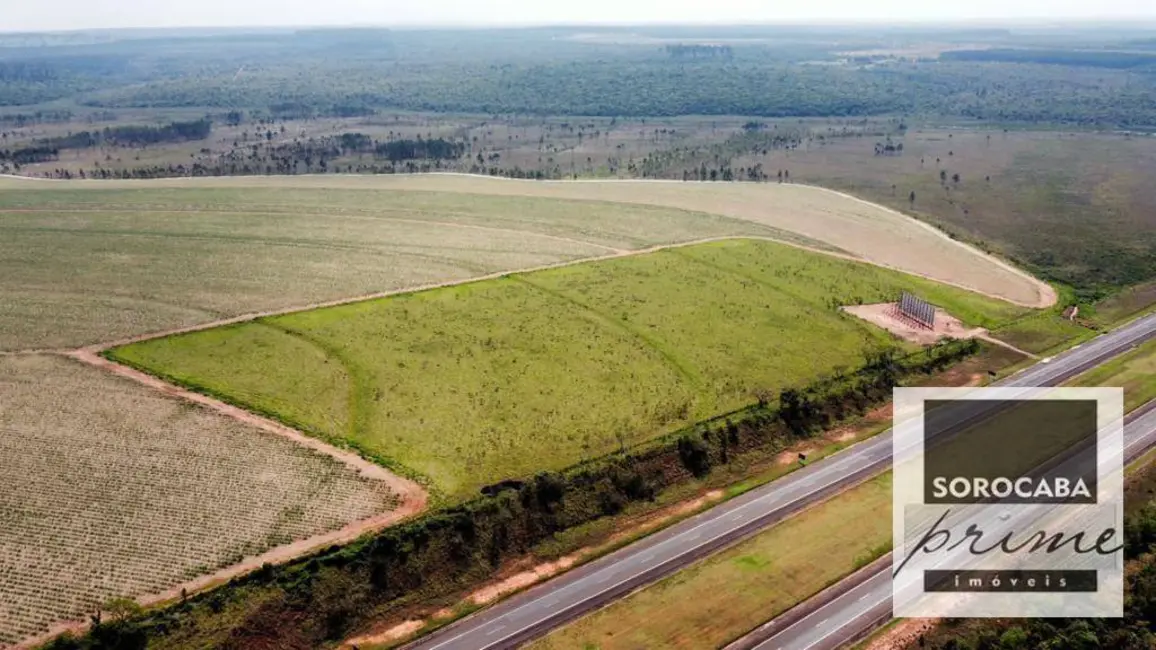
(350, 237)
(87, 263)
(109, 489)
(471, 384)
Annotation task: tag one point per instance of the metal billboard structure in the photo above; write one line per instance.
(916, 310)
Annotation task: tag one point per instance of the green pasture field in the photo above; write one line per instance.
(471, 384)
(1042, 332)
(87, 263)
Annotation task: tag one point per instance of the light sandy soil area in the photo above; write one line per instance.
(886, 315)
(875, 233)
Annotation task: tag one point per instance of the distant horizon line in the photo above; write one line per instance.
(1133, 22)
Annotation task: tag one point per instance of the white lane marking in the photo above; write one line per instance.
(496, 630)
(819, 640)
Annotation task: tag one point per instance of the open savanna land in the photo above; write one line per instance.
(502, 378)
(109, 489)
(1072, 207)
(723, 597)
(87, 263)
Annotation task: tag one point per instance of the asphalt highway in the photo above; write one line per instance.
(564, 598)
(848, 616)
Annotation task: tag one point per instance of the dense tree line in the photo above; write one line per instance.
(321, 598)
(1021, 92)
(263, 156)
(1085, 58)
(419, 149)
(29, 155)
(19, 120)
(346, 73)
(131, 135)
(299, 110)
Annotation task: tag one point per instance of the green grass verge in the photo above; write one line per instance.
(1135, 372)
(1043, 333)
(472, 384)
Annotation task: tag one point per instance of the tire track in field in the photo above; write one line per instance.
(683, 369)
(359, 389)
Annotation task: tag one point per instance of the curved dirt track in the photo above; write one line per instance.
(872, 232)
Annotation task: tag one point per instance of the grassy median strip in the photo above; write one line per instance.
(1135, 372)
(725, 596)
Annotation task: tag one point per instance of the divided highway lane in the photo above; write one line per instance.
(581, 590)
(847, 617)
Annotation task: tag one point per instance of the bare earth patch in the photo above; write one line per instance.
(904, 634)
(885, 315)
(396, 633)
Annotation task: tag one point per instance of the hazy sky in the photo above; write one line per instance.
(17, 15)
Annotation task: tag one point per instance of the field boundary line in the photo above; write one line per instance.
(653, 343)
(986, 336)
(242, 318)
(337, 302)
(403, 487)
(1047, 294)
(412, 497)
